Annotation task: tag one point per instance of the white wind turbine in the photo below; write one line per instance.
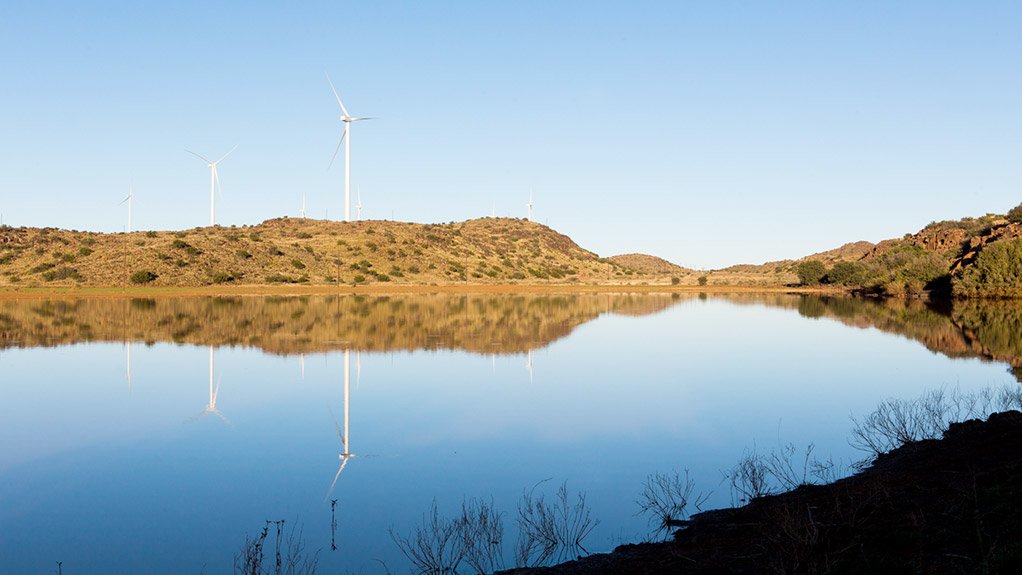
(344, 436)
(347, 119)
(529, 205)
(214, 393)
(358, 206)
(128, 198)
(301, 213)
(214, 181)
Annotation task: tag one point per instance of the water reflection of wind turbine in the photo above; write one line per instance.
(344, 434)
(214, 393)
(528, 364)
(128, 344)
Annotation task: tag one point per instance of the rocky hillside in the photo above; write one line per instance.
(304, 251)
(649, 264)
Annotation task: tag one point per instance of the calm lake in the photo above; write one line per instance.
(154, 435)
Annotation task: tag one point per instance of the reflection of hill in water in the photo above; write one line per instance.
(496, 323)
(287, 325)
(989, 330)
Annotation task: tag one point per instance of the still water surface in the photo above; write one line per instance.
(153, 435)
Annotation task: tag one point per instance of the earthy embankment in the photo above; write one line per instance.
(934, 506)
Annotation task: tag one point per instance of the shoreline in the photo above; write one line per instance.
(7, 293)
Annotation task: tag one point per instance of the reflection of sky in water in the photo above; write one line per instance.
(108, 481)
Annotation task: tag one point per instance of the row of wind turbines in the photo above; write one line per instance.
(346, 119)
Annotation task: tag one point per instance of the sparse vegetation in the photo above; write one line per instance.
(143, 277)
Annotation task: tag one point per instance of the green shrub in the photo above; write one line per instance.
(810, 272)
(359, 279)
(304, 236)
(244, 254)
(675, 280)
(297, 263)
(143, 277)
(186, 247)
(42, 267)
(150, 234)
(84, 251)
(997, 272)
(283, 279)
(847, 274)
(221, 277)
(702, 280)
(1015, 214)
(61, 273)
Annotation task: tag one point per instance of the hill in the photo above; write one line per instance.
(971, 257)
(649, 264)
(304, 251)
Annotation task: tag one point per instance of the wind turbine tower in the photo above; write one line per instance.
(529, 205)
(131, 195)
(347, 119)
(214, 181)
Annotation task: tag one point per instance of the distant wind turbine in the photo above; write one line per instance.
(347, 119)
(301, 212)
(529, 205)
(358, 206)
(528, 364)
(214, 181)
(130, 196)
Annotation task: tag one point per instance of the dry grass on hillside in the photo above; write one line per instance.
(303, 251)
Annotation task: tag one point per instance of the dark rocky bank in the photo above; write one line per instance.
(952, 505)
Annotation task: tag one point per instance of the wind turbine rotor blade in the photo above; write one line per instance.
(338, 148)
(125, 199)
(203, 158)
(227, 154)
(343, 109)
(358, 119)
(339, 470)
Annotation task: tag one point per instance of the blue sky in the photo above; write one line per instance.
(709, 133)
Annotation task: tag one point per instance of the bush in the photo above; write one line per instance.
(359, 279)
(1015, 214)
(244, 254)
(846, 274)
(84, 251)
(702, 280)
(675, 280)
(997, 272)
(810, 272)
(297, 263)
(150, 234)
(220, 277)
(143, 277)
(186, 247)
(61, 273)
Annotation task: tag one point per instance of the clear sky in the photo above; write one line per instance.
(709, 133)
